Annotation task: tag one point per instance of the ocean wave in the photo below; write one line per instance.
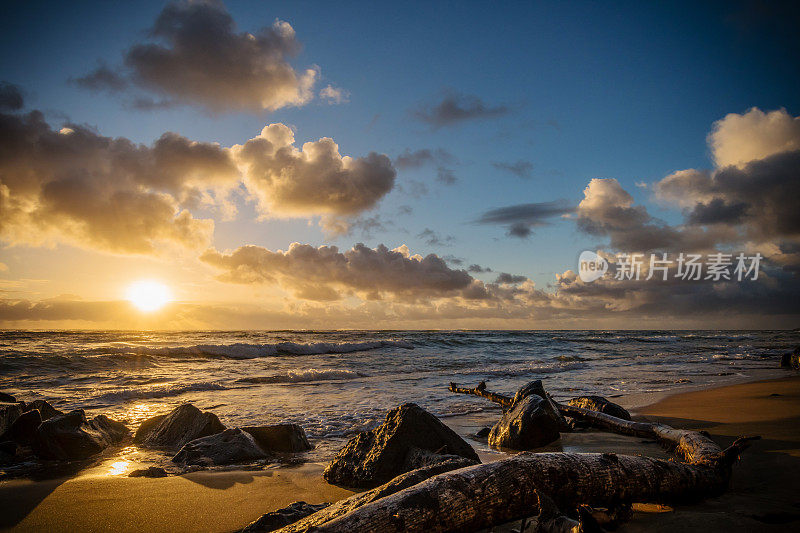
(534, 369)
(163, 391)
(241, 350)
(303, 376)
(589, 340)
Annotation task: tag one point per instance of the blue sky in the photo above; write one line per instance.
(627, 90)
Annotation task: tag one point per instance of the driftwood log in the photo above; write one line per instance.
(484, 495)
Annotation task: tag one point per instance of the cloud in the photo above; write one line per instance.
(521, 169)
(738, 139)
(477, 269)
(425, 156)
(521, 219)
(77, 186)
(432, 238)
(196, 56)
(10, 97)
(455, 108)
(326, 273)
(334, 95)
(511, 279)
(313, 180)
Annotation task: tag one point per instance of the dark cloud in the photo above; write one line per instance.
(477, 269)
(102, 78)
(433, 238)
(424, 156)
(505, 277)
(10, 97)
(520, 219)
(455, 108)
(717, 212)
(196, 56)
(521, 169)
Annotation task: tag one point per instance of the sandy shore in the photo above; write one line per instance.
(762, 496)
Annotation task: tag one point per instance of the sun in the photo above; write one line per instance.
(148, 295)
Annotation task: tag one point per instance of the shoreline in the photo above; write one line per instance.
(93, 500)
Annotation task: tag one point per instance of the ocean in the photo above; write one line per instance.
(336, 383)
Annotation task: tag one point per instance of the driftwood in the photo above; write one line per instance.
(526, 484)
(505, 401)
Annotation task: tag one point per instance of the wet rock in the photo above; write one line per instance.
(185, 423)
(374, 457)
(791, 360)
(484, 432)
(146, 427)
(23, 429)
(71, 436)
(152, 471)
(5, 397)
(283, 517)
(46, 410)
(8, 413)
(419, 458)
(280, 437)
(232, 446)
(600, 404)
(536, 387)
(530, 424)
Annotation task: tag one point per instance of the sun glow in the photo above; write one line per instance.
(149, 295)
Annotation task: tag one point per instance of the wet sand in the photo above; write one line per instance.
(763, 495)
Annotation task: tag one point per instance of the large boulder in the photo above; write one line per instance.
(9, 412)
(23, 429)
(536, 387)
(531, 423)
(376, 456)
(46, 411)
(72, 436)
(280, 437)
(232, 446)
(791, 359)
(283, 517)
(602, 405)
(5, 397)
(184, 424)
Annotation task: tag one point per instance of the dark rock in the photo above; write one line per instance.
(530, 424)
(600, 404)
(374, 457)
(146, 427)
(9, 447)
(185, 423)
(536, 387)
(46, 410)
(71, 436)
(152, 471)
(5, 397)
(280, 438)
(8, 413)
(283, 517)
(419, 458)
(483, 432)
(791, 360)
(23, 430)
(232, 446)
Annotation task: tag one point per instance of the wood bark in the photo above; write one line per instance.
(484, 495)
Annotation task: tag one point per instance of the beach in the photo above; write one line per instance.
(761, 495)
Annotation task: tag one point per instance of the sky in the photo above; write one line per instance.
(319, 165)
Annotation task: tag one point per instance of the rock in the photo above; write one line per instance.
(536, 387)
(9, 447)
(232, 446)
(283, 517)
(8, 413)
(280, 438)
(419, 458)
(146, 427)
(185, 423)
(600, 404)
(484, 432)
(71, 436)
(374, 457)
(530, 424)
(152, 471)
(791, 360)
(23, 430)
(5, 397)
(46, 410)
